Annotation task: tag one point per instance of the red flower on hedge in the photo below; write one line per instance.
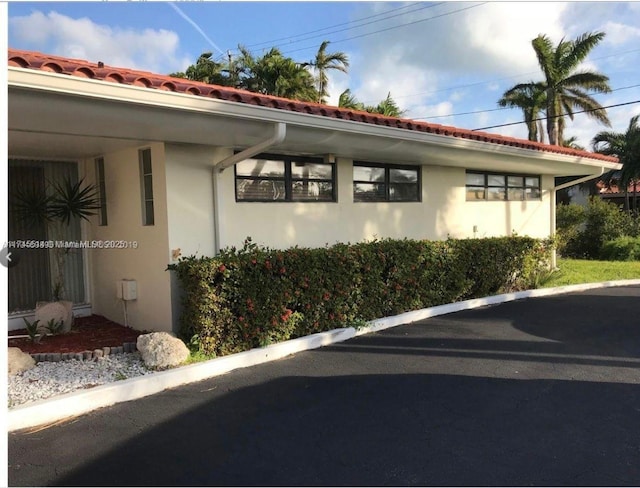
(222, 268)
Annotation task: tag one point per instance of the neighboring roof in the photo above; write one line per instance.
(99, 71)
(613, 190)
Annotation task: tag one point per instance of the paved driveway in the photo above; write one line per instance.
(543, 391)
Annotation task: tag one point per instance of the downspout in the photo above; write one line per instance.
(279, 133)
(552, 207)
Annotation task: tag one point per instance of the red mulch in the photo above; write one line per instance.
(87, 334)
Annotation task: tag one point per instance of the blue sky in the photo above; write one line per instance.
(439, 60)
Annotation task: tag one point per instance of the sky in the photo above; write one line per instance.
(439, 60)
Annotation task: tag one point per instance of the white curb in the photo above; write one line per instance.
(425, 313)
(80, 402)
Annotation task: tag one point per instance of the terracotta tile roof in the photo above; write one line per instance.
(613, 189)
(99, 71)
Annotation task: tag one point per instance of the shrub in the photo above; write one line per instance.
(254, 296)
(621, 249)
(602, 222)
(569, 222)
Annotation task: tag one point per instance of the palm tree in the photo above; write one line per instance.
(572, 142)
(387, 107)
(275, 74)
(347, 100)
(531, 98)
(566, 88)
(205, 70)
(322, 63)
(626, 147)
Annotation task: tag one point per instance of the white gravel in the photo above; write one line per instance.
(48, 379)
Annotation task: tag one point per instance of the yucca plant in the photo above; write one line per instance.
(56, 207)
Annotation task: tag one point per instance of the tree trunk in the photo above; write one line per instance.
(552, 118)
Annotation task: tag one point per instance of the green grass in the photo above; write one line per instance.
(576, 271)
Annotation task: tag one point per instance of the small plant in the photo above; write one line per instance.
(357, 324)
(32, 330)
(119, 376)
(55, 326)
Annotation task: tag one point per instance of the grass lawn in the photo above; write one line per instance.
(576, 271)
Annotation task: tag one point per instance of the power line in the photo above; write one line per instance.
(478, 83)
(347, 23)
(391, 28)
(557, 116)
(502, 108)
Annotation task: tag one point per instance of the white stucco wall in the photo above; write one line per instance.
(442, 212)
(190, 198)
(457, 217)
(147, 263)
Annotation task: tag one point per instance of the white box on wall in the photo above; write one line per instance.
(127, 289)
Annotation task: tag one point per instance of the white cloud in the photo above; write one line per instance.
(618, 33)
(421, 64)
(54, 33)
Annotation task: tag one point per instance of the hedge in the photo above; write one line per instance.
(253, 296)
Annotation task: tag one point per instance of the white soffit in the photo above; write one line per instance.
(48, 105)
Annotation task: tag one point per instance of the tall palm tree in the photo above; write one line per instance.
(626, 147)
(322, 63)
(531, 98)
(566, 88)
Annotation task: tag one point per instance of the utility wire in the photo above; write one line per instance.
(390, 28)
(478, 83)
(558, 116)
(502, 108)
(347, 23)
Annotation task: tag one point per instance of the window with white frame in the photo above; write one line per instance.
(502, 187)
(146, 186)
(275, 178)
(375, 182)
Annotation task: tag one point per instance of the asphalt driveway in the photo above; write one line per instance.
(542, 391)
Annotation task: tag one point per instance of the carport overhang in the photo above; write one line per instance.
(61, 116)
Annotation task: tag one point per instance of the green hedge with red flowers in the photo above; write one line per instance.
(254, 296)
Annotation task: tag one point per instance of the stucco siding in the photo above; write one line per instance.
(147, 263)
(190, 199)
(442, 212)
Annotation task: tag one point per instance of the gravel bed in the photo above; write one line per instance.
(48, 379)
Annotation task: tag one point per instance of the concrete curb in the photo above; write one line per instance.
(80, 402)
(425, 313)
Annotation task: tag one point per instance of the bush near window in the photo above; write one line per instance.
(254, 296)
(582, 232)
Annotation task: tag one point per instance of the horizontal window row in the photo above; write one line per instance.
(271, 178)
(502, 187)
(276, 178)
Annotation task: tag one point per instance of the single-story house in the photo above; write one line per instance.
(186, 168)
